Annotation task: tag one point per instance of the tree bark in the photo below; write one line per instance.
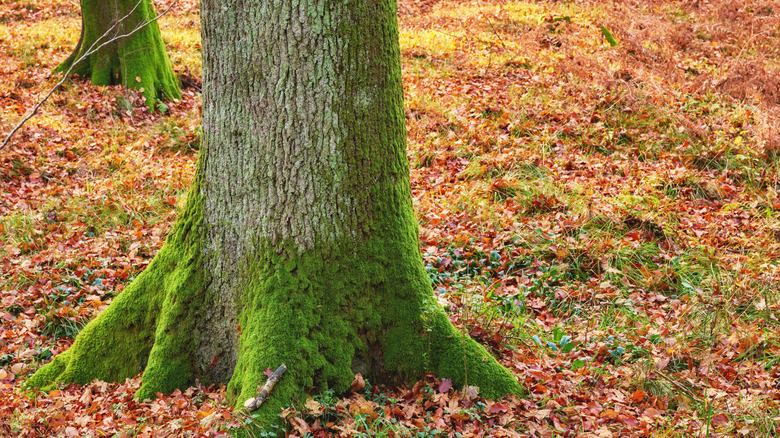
(138, 61)
(298, 244)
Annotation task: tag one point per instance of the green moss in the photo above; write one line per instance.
(137, 62)
(463, 360)
(332, 312)
(45, 377)
(171, 363)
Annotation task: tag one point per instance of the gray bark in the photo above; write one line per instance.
(296, 99)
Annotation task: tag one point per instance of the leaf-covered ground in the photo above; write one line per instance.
(596, 184)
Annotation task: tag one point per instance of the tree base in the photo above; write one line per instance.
(138, 61)
(327, 314)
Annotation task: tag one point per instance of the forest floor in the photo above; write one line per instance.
(597, 189)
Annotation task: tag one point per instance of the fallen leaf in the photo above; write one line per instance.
(638, 396)
(469, 393)
(300, 425)
(651, 413)
(313, 406)
(720, 420)
(460, 416)
(86, 398)
(609, 413)
(362, 406)
(445, 385)
(498, 408)
(358, 383)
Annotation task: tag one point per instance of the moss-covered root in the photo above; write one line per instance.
(137, 62)
(458, 357)
(449, 353)
(276, 330)
(148, 326)
(171, 361)
(112, 347)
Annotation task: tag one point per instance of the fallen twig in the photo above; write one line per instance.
(253, 403)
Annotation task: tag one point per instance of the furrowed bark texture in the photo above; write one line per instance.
(299, 243)
(140, 56)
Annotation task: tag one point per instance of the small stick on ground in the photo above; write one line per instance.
(253, 403)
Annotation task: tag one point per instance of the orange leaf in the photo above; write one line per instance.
(460, 415)
(609, 413)
(638, 396)
(361, 406)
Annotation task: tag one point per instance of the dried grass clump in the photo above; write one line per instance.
(751, 80)
(583, 67)
(767, 129)
(414, 8)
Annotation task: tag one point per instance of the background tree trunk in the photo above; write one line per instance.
(140, 56)
(298, 244)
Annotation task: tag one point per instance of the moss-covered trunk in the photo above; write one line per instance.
(298, 244)
(138, 61)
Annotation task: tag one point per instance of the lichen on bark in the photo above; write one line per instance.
(138, 61)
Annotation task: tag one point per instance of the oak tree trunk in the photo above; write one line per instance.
(138, 61)
(298, 244)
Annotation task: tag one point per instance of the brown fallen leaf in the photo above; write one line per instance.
(314, 407)
(358, 383)
(300, 425)
(609, 413)
(469, 393)
(720, 420)
(362, 406)
(651, 413)
(460, 416)
(498, 408)
(86, 398)
(445, 385)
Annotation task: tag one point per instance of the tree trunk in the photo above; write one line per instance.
(138, 61)
(298, 244)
